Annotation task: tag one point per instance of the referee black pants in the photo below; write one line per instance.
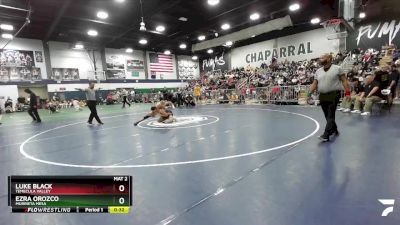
(329, 102)
(125, 101)
(93, 111)
(33, 112)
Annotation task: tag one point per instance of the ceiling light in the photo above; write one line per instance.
(201, 38)
(182, 46)
(102, 15)
(216, 34)
(79, 46)
(255, 16)
(167, 52)
(213, 2)
(7, 36)
(210, 51)
(160, 28)
(294, 7)
(195, 57)
(225, 26)
(6, 27)
(229, 43)
(142, 26)
(362, 15)
(315, 20)
(184, 19)
(129, 50)
(92, 33)
(143, 41)
(120, 0)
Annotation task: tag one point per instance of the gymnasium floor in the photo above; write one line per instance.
(231, 165)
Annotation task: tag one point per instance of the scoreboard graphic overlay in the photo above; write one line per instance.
(70, 194)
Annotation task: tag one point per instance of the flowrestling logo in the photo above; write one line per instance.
(181, 122)
(389, 30)
(389, 203)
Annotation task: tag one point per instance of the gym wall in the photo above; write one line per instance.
(62, 56)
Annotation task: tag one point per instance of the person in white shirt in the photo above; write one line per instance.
(91, 102)
(125, 98)
(328, 81)
(76, 105)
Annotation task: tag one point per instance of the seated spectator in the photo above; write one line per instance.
(189, 101)
(52, 107)
(223, 99)
(371, 95)
(82, 104)
(234, 98)
(76, 105)
(8, 105)
(358, 89)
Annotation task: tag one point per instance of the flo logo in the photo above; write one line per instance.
(390, 206)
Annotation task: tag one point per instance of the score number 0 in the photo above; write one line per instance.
(121, 200)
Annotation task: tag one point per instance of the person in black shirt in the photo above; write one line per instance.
(383, 78)
(358, 89)
(33, 112)
(371, 95)
(394, 77)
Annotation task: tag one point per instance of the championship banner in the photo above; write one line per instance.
(134, 64)
(18, 65)
(188, 68)
(16, 58)
(65, 74)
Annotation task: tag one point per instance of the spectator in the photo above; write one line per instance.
(370, 96)
(394, 77)
(76, 105)
(197, 93)
(358, 89)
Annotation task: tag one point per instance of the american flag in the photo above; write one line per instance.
(161, 63)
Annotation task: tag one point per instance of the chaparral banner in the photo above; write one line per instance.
(297, 47)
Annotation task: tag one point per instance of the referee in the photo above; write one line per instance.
(328, 81)
(32, 111)
(91, 102)
(125, 98)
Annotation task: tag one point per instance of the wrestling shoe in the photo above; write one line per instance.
(324, 137)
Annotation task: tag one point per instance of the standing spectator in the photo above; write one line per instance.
(125, 98)
(132, 94)
(328, 81)
(197, 93)
(91, 102)
(33, 106)
(394, 77)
